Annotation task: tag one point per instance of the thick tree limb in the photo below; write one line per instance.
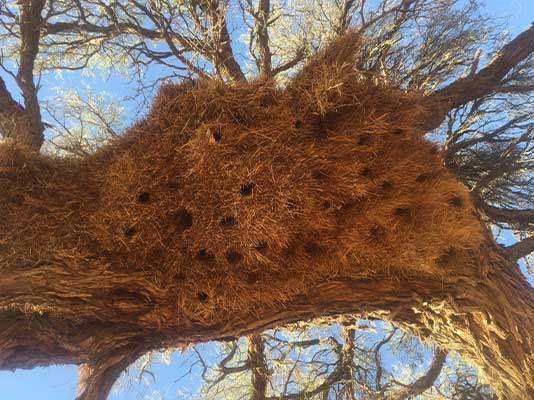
(258, 366)
(345, 17)
(426, 381)
(497, 339)
(55, 28)
(514, 89)
(9, 108)
(488, 79)
(24, 124)
(95, 382)
(515, 217)
(262, 38)
(124, 27)
(298, 57)
(522, 248)
(518, 218)
(347, 352)
(223, 56)
(485, 82)
(30, 16)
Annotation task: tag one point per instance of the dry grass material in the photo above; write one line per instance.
(232, 197)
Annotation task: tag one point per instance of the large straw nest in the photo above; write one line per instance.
(237, 196)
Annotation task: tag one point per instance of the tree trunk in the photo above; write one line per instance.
(18, 123)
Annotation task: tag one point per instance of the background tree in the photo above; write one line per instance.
(487, 135)
(324, 359)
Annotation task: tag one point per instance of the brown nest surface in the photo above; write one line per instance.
(227, 197)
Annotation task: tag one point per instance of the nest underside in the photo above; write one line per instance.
(243, 196)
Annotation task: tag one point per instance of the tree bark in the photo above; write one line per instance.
(15, 122)
(258, 366)
(485, 312)
(522, 248)
(262, 16)
(426, 381)
(24, 124)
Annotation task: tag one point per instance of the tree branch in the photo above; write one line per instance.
(426, 381)
(344, 19)
(30, 17)
(521, 249)
(378, 362)
(95, 382)
(401, 16)
(24, 124)
(348, 350)
(341, 373)
(299, 56)
(262, 38)
(165, 25)
(7, 103)
(514, 89)
(258, 366)
(118, 24)
(487, 81)
(223, 56)
(519, 218)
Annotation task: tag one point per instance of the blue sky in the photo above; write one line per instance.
(59, 382)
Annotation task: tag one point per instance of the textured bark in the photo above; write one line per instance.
(521, 249)
(223, 56)
(258, 366)
(485, 312)
(24, 124)
(15, 122)
(96, 383)
(262, 38)
(346, 360)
